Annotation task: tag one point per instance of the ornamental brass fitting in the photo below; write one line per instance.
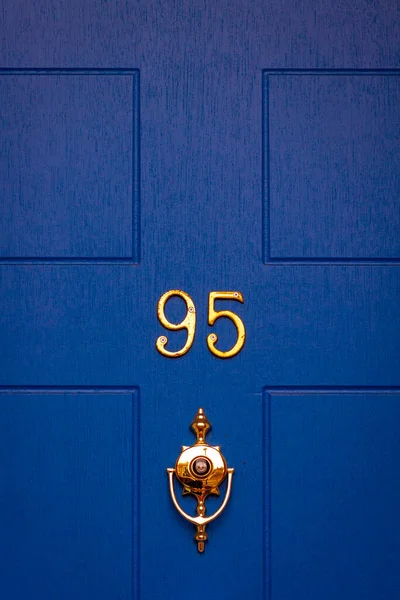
(200, 469)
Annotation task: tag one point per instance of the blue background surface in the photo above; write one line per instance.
(218, 146)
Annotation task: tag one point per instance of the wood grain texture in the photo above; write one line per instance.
(68, 506)
(67, 164)
(333, 165)
(201, 229)
(352, 482)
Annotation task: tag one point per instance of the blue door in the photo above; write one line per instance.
(212, 146)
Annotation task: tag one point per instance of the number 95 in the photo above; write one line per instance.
(189, 323)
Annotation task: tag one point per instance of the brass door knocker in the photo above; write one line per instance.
(200, 468)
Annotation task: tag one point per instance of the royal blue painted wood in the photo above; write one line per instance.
(67, 176)
(346, 176)
(267, 140)
(66, 464)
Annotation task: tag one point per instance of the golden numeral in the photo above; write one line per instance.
(213, 315)
(188, 323)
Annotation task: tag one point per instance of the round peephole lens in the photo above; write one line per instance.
(201, 466)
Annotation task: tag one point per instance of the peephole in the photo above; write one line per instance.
(201, 466)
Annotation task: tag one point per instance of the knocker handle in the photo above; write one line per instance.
(201, 468)
(200, 520)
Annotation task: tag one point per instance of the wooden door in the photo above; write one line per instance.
(213, 146)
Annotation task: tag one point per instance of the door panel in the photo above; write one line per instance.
(70, 164)
(268, 152)
(332, 171)
(333, 486)
(69, 504)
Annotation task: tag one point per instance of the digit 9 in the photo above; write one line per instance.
(188, 323)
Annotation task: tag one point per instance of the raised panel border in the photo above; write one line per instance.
(266, 229)
(136, 231)
(135, 396)
(267, 393)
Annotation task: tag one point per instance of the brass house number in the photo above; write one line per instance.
(189, 323)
